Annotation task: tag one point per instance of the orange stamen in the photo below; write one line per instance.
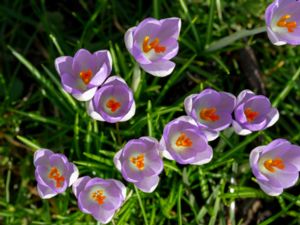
(209, 114)
(55, 175)
(86, 76)
(138, 161)
(184, 141)
(277, 163)
(250, 115)
(282, 22)
(98, 196)
(113, 105)
(153, 45)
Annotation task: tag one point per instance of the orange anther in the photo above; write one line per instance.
(86, 76)
(113, 105)
(282, 22)
(153, 45)
(271, 163)
(184, 141)
(55, 175)
(98, 196)
(209, 114)
(138, 161)
(250, 115)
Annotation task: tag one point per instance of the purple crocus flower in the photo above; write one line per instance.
(253, 113)
(82, 75)
(283, 22)
(99, 197)
(113, 102)
(53, 173)
(212, 110)
(184, 142)
(276, 166)
(140, 163)
(153, 43)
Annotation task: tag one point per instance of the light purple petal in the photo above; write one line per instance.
(79, 185)
(273, 117)
(117, 162)
(63, 65)
(73, 174)
(240, 130)
(188, 103)
(104, 58)
(161, 68)
(128, 38)
(243, 96)
(203, 157)
(100, 76)
(170, 27)
(148, 184)
(270, 190)
(41, 157)
(45, 192)
(103, 216)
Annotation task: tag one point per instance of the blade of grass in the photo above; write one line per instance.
(224, 42)
(284, 93)
(141, 205)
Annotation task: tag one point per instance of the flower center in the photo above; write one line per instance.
(209, 114)
(282, 22)
(54, 174)
(98, 196)
(86, 76)
(138, 161)
(184, 141)
(113, 105)
(250, 114)
(271, 164)
(153, 45)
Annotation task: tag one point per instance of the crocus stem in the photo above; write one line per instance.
(223, 42)
(118, 134)
(141, 205)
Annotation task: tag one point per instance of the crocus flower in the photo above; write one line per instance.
(276, 166)
(140, 163)
(253, 113)
(82, 75)
(212, 110)
(113, 102)
(99, 197)
(184, 142)
(153, 43)
(53, 173)
(283, 22)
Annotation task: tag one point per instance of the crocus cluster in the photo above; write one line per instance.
(153, 43)
(84, 76)
(213, 111)
(99, 197)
